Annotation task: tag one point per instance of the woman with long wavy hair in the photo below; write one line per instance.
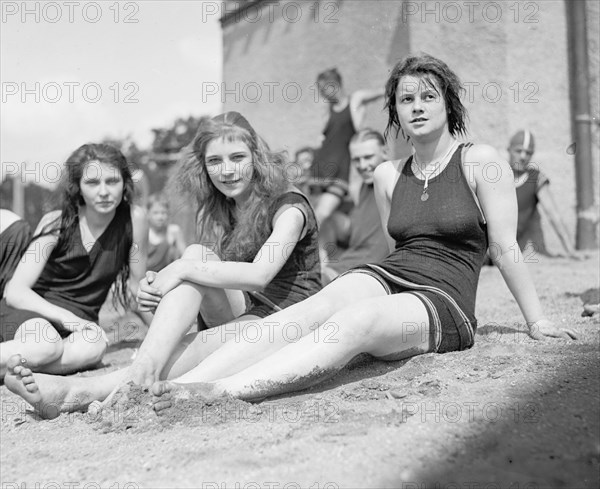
(49, 312)
(257, 249)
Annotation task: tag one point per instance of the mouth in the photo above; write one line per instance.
(418, 119)
(105, 203)
(231, 182)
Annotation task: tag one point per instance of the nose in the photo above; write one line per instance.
(417, 105)
(228, 167)
(363, 164)
(103, 188)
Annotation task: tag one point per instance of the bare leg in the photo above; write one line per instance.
(36, 339)
(262, 338)
(54, 394)
(195, 347)
(51, 395)
(81, 350)
(390, 327)
(171, 320)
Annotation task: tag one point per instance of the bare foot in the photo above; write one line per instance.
(141, 372)
(50, 395)
(170, 394)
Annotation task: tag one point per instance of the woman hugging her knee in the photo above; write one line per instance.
(49, 312)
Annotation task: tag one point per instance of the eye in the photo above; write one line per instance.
(405, 99)
(213, 161)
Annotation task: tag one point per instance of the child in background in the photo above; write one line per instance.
(165, 241)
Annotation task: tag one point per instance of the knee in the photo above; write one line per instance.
(91, 346)
(42, 343)
(352, 325)
(97, 352)
(200, 252)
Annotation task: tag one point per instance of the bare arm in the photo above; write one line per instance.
(499, 204)
(288, 226)
(384, 180)
(328, 203)
(139, 249)
(549, 207)
(19, 290)
(358, 104)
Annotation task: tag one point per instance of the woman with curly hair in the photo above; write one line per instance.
(257, 251)
(49, 312)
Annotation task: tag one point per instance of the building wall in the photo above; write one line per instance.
(512, 55)
(593, 34)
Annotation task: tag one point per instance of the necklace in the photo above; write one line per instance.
(427, 176)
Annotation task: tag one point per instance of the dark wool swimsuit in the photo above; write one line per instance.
(441, 243)
(75, 279)
(300, 276)
(332, 160)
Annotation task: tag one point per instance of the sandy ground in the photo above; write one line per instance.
(510, 413)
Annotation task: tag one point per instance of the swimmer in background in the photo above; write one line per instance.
(533, 193)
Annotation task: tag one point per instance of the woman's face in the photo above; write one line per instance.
(101, 187)
(421, 108)
(230, 167)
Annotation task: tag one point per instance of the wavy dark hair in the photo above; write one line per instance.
(429, 69)
(71, 199)
(233, 237)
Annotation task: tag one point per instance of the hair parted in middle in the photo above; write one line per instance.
(71, 200)
(431, 71)
(233, 235)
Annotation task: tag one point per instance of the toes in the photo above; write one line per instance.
(15, 361)
(26, 372)
(161, 388)
(28, 380)
(571, 334)
(32, 388)
(161, 405)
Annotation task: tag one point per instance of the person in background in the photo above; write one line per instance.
(15, 235)
(331, 168)
(533, 194)
(165, 241)
(360, 235)
(303, 162)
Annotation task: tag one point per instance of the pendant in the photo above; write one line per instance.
(424, 196)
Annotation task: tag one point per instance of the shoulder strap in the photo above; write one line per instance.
(464, 149)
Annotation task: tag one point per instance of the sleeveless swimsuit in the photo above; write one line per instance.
(441, 244)
(75, 279)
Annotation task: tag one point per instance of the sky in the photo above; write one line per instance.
(74, 72)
